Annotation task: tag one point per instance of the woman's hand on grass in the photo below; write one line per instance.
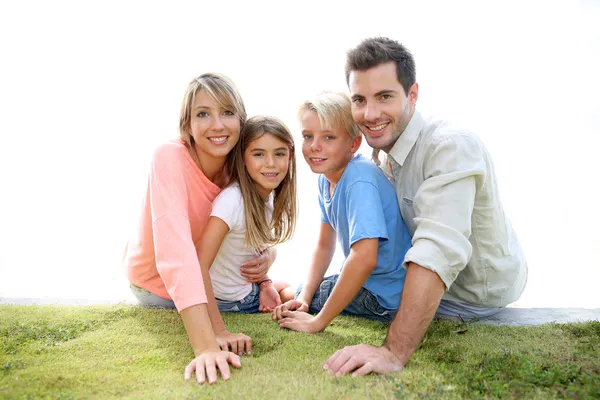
(300, 321)
(254, 270)
(269, 298)
(237, 342)
(363, 359)
(292, 305)
(206, 365)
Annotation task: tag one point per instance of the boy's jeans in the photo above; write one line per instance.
(364, 305)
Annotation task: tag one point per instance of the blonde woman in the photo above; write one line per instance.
(256, 211)
(186, 175)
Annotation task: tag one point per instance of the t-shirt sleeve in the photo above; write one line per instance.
(175, 253)
(364, 209)
(227, 207)
(322, 189)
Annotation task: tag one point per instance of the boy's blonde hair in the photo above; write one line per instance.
(332, 109)
(221, 90)
(259, 233)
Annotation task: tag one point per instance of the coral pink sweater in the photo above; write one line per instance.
(161, 257)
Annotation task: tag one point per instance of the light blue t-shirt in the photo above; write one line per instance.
(364, 206)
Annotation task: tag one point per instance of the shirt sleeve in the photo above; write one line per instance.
(227, 207)
(322, 189)
(454, 171)
(364, 210)
(176, 259)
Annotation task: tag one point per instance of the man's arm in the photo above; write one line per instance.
(422, 294)
(441, 249)
(423, 291)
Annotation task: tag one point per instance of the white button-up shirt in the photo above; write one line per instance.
(449, 200)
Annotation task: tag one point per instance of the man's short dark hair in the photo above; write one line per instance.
(380, 50)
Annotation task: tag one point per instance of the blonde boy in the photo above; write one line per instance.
(359, 207)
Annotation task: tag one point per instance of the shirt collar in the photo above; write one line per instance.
(407, 139)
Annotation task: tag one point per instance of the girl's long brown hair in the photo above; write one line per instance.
(259, 232)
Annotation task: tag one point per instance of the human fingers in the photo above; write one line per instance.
(234, 346)
(264, 257)
(211, 370)
(367, 368)
(223, 366)
(241, 344)
(292, 305)
(288, 314)
(224, 346)
(339, 359)
(200, 372)
(187, 374)
(350, 365)
(331, 360)
(287, 323)
(248, 342)
(234, 360)
(277, 313)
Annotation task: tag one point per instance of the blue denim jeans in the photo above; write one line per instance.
(248, 304)
(149, 299)
(363, 305)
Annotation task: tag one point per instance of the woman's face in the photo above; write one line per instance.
(214, 129)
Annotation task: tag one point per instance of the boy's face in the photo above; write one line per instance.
(327, 152)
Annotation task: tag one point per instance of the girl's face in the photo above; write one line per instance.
(214, 129)
(267, 160)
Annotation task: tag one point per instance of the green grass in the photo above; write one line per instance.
(130, 352)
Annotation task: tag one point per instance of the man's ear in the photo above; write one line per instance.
(355, 145)
(413, 94)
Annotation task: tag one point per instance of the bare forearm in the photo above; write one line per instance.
(199, 329)
(320, 262)
(423, 290)
(353, 276)
(213, 311)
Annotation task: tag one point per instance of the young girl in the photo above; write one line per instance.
(257, 210)
(185, 177)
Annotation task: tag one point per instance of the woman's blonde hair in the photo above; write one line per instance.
(259, 232)
(221, 90)
(332, 109)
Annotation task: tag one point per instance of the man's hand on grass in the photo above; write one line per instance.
(292, 305)
(237, 342)
(269, 298)
(300, 321)
(206, 365)
(363, 359)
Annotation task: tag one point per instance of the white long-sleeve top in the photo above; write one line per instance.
(449, 199)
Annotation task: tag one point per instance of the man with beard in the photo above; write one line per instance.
(466, 260)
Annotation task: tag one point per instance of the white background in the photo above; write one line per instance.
(89, 89)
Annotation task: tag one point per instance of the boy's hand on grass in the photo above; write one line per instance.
(206, 365)
(299, 321)
(363, 359)
(269, 298)
(292, 305)
(237, 342)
